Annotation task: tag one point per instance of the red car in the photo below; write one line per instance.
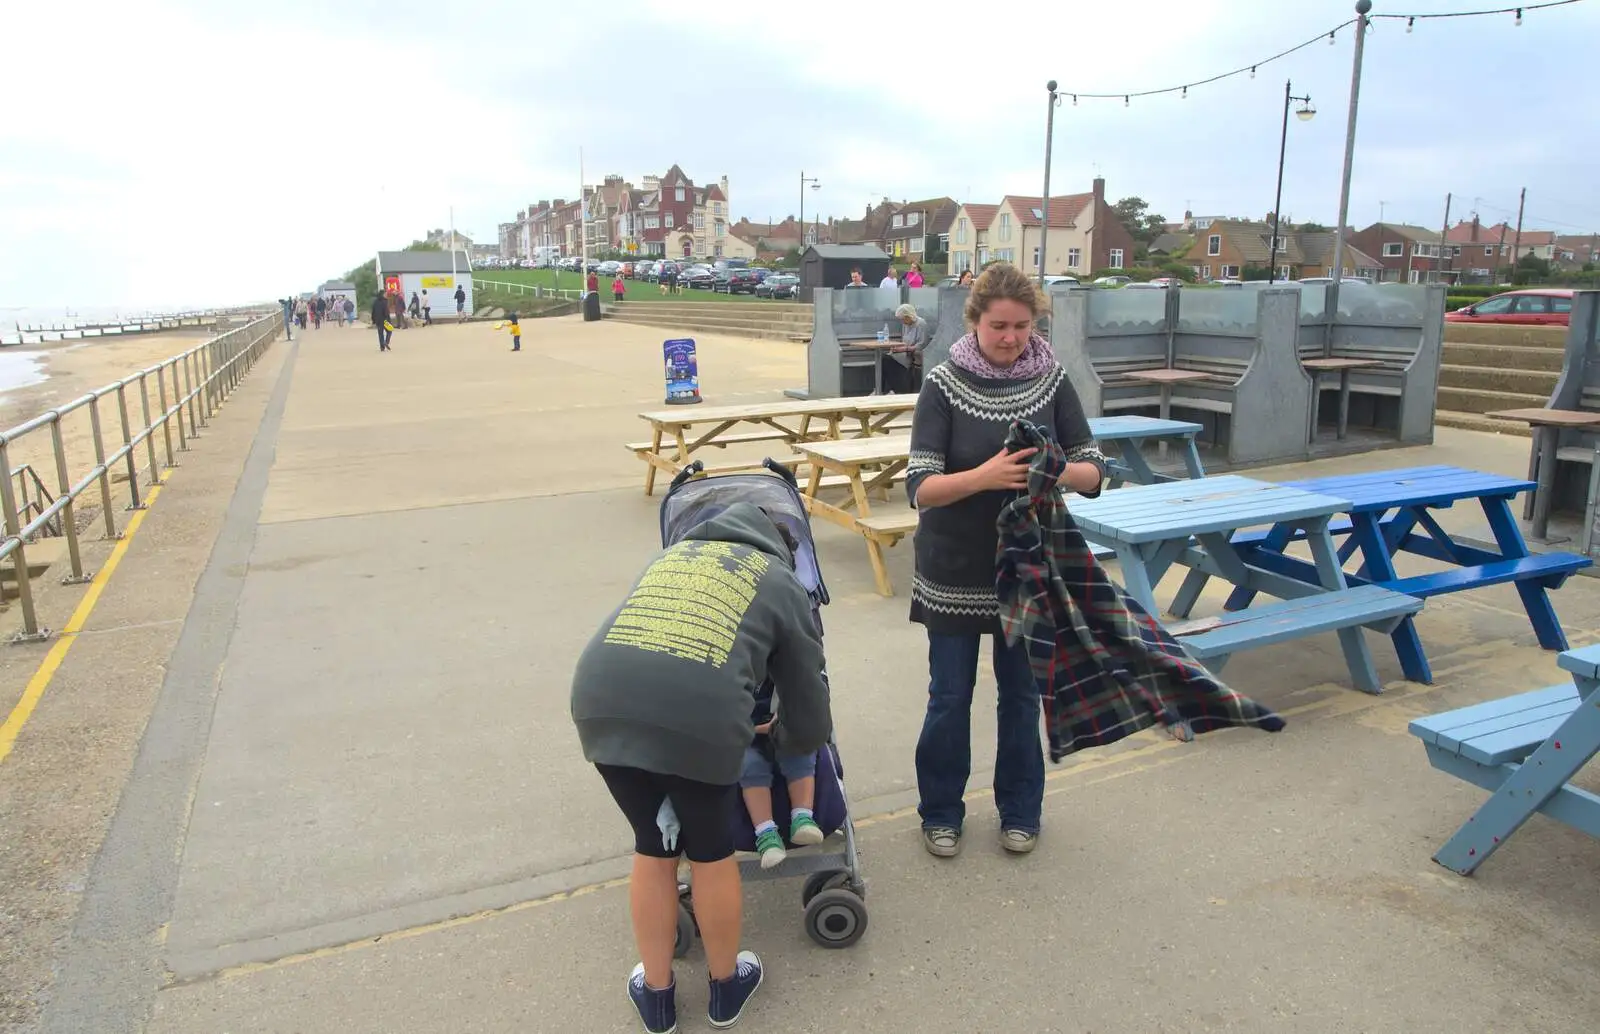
(1551, 306)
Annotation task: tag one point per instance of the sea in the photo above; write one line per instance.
(22, 366)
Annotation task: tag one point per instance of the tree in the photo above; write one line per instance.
(1312, 228)
(1142, 225)
(365, 277)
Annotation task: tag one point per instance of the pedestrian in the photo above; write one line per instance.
(350, 309)
(380, 318)
(904, 373)
(515, 329)
(461, 303)
(959, 477)
(914, 277)
(427, 309)
(664, 699)
(889, 279)
(618, 288)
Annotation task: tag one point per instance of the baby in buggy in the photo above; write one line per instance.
(755, 786)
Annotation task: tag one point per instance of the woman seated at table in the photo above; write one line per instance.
(903, 374)
(959, 477)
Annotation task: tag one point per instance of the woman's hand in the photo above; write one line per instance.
(765, 727)
(1004, 470)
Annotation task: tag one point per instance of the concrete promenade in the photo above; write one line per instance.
(310, 768)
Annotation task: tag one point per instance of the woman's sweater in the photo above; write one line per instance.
(961, 421)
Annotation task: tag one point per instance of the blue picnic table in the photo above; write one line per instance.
(1391, 512)
(1193, 523)
(1129, 433)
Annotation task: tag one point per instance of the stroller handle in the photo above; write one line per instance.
(688, 472)
(779, 469)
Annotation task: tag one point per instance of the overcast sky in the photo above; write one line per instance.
(188, 152)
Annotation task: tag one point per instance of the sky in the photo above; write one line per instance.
(179, 152)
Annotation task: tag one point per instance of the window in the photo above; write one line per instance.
(677, 196)
(668, 222)
(652, 222)
(1561, 305)
(1280, 244)
(1116, 258)
(1035, 263)
(699, 198)
(1394, 249)
(722, 227)
(1214, 245)
(916, 245)
(1074, 256)
(1005, 226)
(699, 220)
(961, 230)
(1037, 214)
(898, 221)
(1532, 304)
(1494, 306)
(913, 218)
(1455, 252)
(1488, 251)
(944, 242)
(1230, 272)
(1204, 271)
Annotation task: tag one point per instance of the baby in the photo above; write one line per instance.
(755, 784)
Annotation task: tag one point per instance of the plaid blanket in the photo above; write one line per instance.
(1104, 667)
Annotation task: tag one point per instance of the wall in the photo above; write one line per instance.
(441, 298)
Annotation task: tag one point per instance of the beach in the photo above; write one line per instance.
(53, 374)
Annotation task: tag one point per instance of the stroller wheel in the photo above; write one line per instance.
(836, 918)
(818, 882)
(686, 932)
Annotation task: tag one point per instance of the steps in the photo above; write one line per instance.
(782, 321)
(1487, 368)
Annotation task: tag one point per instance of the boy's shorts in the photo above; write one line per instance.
(758, 770)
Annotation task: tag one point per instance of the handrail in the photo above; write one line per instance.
(189, 387)
(34, 500)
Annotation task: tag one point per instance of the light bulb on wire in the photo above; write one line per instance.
(1519, 16)
(1409, 23)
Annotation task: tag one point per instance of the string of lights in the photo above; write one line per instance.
(1331, 35)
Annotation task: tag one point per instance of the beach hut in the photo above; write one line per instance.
(339, 290)
(415, 271)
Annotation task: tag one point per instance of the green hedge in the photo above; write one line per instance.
(1456, 301)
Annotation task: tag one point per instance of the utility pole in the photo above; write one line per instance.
(1362, 7)
(1443, 238)
(1044, 209)
(1516, 245)
(1500, 251)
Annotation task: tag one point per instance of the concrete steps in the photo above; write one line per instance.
(1477, 400)
(1496, 367)
(1499, 378)
(1479, 422)
(1463, 353)
(783, 321)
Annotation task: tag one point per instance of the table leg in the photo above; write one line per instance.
(1194, 583)
(1135, 462)
(1357, 657)
(1277, 541)
(1191, 458)
(650, 468)
(877, 371)
(1533, 474)
(1378, 567)
(1166, 414)
(1136, 578)
(1535, 597)
(1344, 403)
(1546, 437)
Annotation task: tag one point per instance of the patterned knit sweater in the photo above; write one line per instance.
(961, 420)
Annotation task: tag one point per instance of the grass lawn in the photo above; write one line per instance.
(635, 290)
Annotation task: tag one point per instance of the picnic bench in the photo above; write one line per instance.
(1192, 523)
(1392, 512)
(1524, 749)
(1566, 431)
(1237, 371)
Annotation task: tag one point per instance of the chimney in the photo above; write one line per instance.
(1099, 189)
(1474, 227)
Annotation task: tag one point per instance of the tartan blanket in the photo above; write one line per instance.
(1105, 668)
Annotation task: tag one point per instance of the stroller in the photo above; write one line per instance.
(834, 892)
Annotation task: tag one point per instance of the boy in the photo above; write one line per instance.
(515, 330)
(755, 786)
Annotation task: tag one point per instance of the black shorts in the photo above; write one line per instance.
(705, 812)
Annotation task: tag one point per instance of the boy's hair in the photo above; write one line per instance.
(783, 531)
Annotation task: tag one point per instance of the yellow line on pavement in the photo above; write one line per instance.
(40, 681)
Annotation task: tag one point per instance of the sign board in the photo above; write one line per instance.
(683, 372)
(391, 283)
(438, 281)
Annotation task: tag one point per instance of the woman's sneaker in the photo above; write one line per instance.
(941, 841)
(1018, 841)
(804, 831)
(770, 846)
(657, 1009)
(730, 996)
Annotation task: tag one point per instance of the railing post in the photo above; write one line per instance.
(127, 446)
(166, 415)
(177, 405)
(19, 558)
(100, 465)
(150, 430)
(69, 517)
(189, 391)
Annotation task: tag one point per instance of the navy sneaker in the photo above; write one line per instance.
(730, 996)
(658, 1009)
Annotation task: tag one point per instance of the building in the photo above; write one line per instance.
(1226, 247)
(1085, 234)
(338, 290)
(772, 240)
(431, 271)
(1406, 254)
(969, 237)
(1481, 251)
(920, 230)
(1574, 252)
(872, 228)
(673, 216)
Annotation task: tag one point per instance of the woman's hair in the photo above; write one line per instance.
(1002, 281)
(904, 311)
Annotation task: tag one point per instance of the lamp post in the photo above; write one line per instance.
(1362, 7)
(1044, 208)
(1304, 114)
(816, 184)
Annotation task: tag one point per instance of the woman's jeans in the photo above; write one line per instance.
(944, 752)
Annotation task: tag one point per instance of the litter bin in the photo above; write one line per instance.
(591, 306)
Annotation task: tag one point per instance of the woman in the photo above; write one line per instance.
(914, 277)
(904, 375)
(965, 280)
(959, 477)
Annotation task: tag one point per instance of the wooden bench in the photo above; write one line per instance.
(1213, 640)
(1524, 749)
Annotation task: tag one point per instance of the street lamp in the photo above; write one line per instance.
(816, 184)
(1305, 114)
(1044, 206)
(1362, 7)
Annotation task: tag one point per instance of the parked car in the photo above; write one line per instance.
(736, 281)
(1546, 306)
(778, 285)
(697, 277)
(1113, 281)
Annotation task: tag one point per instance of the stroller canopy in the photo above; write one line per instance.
(701, 499)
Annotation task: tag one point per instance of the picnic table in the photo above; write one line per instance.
(1192, 523)
(1129, 433)
(1546, 425)
(1342, 367)
(1524, 749)
(687, 430)
(1386, 511)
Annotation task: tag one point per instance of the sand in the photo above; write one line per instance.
(75, 368)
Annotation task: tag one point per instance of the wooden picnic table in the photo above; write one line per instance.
(1386, 511)
(877, 412)
(1546, 425)
(1192, 523)
(1342, 367)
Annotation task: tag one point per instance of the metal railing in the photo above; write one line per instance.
(537, 290)
(33, 498)
(189, 387)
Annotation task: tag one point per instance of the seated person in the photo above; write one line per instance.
(755, 785)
